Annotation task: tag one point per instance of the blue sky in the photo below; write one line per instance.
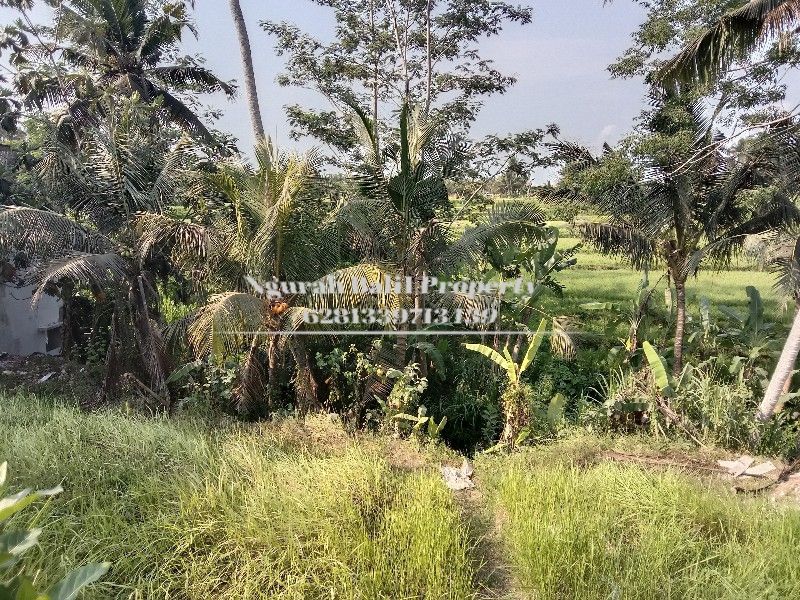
(560, 61)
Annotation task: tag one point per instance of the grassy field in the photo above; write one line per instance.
(599, 278)
(301, 510)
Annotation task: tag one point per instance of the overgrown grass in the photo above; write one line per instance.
(186, 513)
(610, 531)
(300, 510)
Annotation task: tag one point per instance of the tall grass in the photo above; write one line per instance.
(611, 531)
(290, 511)
(186, 513)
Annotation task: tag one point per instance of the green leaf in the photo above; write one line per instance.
(181, 372)
(11, 505)
(495, 357)
(737, 362)
(3, 473)
(732, 315)
(755, 307)
(507, 354)
(435, 355)
(408, 417)
(441, 425)
(26, 591)
(705, 314)
(15, 543)
(394, 374)
(533, 348)
(658, 366)
(523, 436)
(68, 588)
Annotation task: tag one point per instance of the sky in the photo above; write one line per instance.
(560, 61)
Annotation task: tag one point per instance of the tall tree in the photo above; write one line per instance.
(251, 89)
(389, 52)
(674, 198)
(735, 53)
(116, 47)
(733, 37)
(261, 226)
(119, 168)
(706, 58)
(786, 263)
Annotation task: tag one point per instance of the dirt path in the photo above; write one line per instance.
(494, 578)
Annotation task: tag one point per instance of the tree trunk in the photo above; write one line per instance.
(272, 364)
(375, 81)
(250, 87)
(306, 384)
(783, 371)
(67, 323)
(429, 58)
(517, 416)
(250, 396)
(680, 325)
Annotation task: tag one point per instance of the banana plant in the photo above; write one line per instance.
(515, 399)
(658, 367)
(14, 583)
(512, 369)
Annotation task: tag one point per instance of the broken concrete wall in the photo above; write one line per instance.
(25, 330)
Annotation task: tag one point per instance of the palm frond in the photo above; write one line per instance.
(617, 239)
(226, 323)
(507, 223)
(191, 75)
(187, 242)
(98, 270)
(734, 37)
(785, 264)
(45, 234)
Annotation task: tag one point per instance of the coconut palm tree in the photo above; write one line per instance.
(83, 240)
(786, 263)
(251, 89)
(120, 166)
(263, 232)
(403, 219)
(121, 47)
(734, 37)
(682, 213)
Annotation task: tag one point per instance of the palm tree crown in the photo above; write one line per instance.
(125, 47)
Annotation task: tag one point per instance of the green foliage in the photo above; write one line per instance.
(469, 398)
(15, 582)
(112, 48)
(514, 371)
(721, 411)
(422, 426)
(407, 389)
(392, 68)
(206, 387)
(658, 368)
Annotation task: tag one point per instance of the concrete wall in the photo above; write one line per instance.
(25, 330)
